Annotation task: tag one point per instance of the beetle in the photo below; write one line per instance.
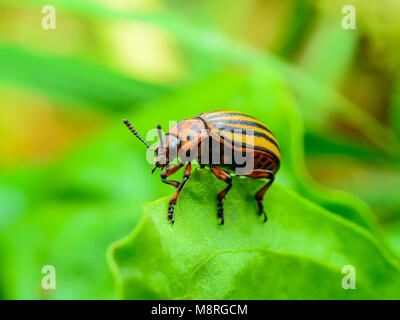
(217, 139)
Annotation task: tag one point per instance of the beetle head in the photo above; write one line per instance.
(161, 159)
(167, 149)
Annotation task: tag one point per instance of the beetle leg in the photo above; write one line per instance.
(262, 174)
(172, 202)
(170, 171)
(224, 176)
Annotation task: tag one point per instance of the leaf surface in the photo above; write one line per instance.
(298, 254)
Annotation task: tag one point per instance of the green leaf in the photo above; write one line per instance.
(74, 81)
(299, 253)
(393, 234)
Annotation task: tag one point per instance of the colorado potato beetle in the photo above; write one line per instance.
(225, 141)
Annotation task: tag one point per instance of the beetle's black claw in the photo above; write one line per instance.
(261, 210)
(220, 213)
(171, 213)
(265, 217)
(260, 207)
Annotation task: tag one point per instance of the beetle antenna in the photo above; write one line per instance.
(132, 129)
(160, 137)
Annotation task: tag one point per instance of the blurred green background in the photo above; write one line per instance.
(72, 178)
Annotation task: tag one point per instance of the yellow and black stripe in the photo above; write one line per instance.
(240, 129)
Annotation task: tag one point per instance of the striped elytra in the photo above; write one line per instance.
(223, 141)
(236, 127)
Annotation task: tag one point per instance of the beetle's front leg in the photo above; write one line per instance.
(172, 202)
(170, 171)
